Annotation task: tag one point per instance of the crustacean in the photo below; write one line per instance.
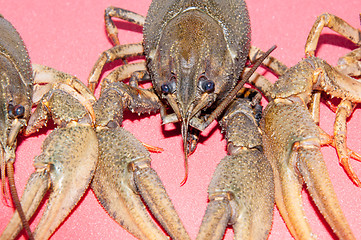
(193, 84)
(16, 82)
(77, 23)
(70, 156)
(292, 138)
(189, 81)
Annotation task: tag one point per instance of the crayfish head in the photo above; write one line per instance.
(192, 68)
(15, 95)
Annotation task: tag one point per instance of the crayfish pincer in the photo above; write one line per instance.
(292, 138)
(69, 154)
(195, 52)
(16, 82)
(241, 192)
(124, 180)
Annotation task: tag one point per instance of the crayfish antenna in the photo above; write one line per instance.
(4, 189)
(185, 150)
(16, 200)
(185, 169)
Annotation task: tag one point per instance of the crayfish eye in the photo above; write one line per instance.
(165, 88)
(19, 110)
(208, 86)
(205, 84)
(169, 87)
(16, 111)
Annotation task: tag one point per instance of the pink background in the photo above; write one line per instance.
(70, 35)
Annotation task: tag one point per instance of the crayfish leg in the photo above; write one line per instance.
(336, 24)
(126, 15)
(47, 78)
(344, 110)
(276, 66)
(110, 55)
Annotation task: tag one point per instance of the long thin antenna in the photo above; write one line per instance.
(16, 200)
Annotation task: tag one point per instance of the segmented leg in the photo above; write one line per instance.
(124, 180)
(350, 64)
(344, 110)
(241, 192)
(46, 79)
(114, 53)
(350, 89)
(122, 14)
(261, 83)
(336, 24)
(123, 72)
(270, 62)
(117, 52)
(326, 139)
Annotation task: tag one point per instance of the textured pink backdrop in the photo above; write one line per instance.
(70, 35)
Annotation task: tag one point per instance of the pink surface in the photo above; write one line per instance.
(70, 35)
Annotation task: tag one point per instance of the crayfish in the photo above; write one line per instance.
(292, 138)
(186, 199)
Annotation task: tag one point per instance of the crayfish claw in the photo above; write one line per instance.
(68, 153)
(294, 151)
(34, 192)
(124, 179)
(215, 219)
(241, 192)
(315, 175)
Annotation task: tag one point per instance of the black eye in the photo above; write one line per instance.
(169, 87)
(16, 111)
(208, 86)
(166, 88)
(19, 110)
(10, 110)
(205, 84)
